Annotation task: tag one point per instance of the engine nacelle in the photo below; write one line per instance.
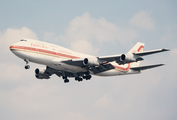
(91, 62)
(42, 77)
(127, 58)
(40, 73)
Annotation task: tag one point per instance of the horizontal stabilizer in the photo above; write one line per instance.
(145, 67)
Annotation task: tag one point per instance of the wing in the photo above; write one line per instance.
(102, 63)
(150, 52)
(74, 62)
(120, 59)
(101, 68)
(109, 58)
(100, 60)
(46, 73)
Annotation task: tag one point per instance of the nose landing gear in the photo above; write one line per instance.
(27, 66)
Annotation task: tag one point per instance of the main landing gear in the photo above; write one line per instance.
(65, 79)
(78, 78)
(27, 66)
(87, 77)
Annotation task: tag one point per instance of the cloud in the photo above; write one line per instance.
(104, 102)
(173, 53)
(50, 37)
(143, 20)
(74, 116)
(84, 46)
(96, 31)
(12, 35)
(10, 72)
(9, 66)
(150, 95)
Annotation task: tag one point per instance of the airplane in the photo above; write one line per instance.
(67, 63)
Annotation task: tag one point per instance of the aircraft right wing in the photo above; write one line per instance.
(45, 73)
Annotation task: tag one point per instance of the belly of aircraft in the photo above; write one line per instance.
(65, 67)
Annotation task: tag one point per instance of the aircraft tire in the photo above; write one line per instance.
(66, 81)
(27, 67)
(80, 79)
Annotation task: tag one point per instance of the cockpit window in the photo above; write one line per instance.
(23, 40)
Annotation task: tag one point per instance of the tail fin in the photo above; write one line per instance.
(137, 48)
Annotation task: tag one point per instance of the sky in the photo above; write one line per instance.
(94, 27)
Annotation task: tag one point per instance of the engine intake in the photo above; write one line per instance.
(128, 58)
(91, 62)
(40, 73)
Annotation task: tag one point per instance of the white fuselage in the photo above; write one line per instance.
(51, 55)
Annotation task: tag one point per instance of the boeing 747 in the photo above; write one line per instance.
(66, 63)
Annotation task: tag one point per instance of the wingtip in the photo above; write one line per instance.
(165, 49)
(162, 64)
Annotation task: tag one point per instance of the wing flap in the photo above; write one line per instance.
(109, 58)
(102, 68)
(74, 62)
(146, 67)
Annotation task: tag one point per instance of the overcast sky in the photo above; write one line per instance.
(96, 27)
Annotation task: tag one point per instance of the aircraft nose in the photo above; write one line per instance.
(12, 47)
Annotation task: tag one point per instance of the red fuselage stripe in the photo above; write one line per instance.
(43, 51)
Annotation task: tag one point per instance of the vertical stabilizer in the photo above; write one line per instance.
(137, 48)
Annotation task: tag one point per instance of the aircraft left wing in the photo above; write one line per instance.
(109, 58)
(74, 62)
(150, 52)
(120, 59)
(129, 57)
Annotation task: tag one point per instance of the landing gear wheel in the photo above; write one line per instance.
(88, 77)
(27, 67)
(80, 79)
(76, 78)
(66, 81)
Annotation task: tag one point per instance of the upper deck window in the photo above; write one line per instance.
(23, 40)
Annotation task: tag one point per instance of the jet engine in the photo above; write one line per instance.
(91, 62)
(127, 58)
(41, 74)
